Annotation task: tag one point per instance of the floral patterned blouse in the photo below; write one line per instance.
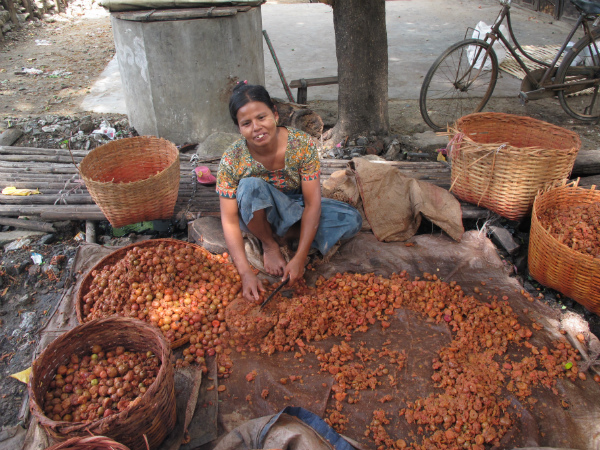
(301, 164)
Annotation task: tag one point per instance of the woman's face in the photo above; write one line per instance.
(257, 123)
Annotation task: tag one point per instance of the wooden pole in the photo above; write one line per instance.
(28, 224)
(9, 150)
(90, 231)
(75, 199)
(40, 158)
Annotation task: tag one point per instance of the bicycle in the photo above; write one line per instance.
(462, 79)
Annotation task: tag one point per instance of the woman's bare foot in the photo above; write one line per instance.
(274, 261)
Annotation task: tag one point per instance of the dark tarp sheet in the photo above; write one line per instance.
(469, 262)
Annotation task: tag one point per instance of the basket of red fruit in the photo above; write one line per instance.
(564, 244)
(187, 292)
(111, 377)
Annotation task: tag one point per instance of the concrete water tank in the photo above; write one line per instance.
(178, 67)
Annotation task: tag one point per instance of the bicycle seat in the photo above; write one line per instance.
(587, 6)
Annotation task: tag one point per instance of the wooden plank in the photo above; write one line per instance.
(28, 224)
(322, 81)
(93, 212)
(179, 14)
(586, 163)
(76, 199)
(53, 169)
(587, 182)
(9, 150)
(41, 159)
(28, 210)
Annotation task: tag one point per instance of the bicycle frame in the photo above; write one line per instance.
(540, 86)
(462, 79)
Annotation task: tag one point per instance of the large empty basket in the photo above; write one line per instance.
(133, 179)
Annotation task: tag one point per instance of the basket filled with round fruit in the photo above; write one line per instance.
(111, 377)
(177, 286)
(564, 243)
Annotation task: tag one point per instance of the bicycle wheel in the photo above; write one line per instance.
(580, 70)
(459, 82)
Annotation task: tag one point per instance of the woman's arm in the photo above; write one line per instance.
(251, 286)
(311, 191)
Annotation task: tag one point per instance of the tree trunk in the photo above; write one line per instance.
(10, 7)
(28, 8)
(362, 56)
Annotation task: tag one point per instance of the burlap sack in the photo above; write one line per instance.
(392, 203)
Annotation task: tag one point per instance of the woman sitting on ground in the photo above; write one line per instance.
(268, 183)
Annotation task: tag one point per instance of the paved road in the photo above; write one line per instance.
(418, 32)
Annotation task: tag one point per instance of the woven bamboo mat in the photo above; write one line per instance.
(543, 53)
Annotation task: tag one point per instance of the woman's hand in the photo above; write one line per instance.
(295, 269)
(251, 287)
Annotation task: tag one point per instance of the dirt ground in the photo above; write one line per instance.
(72, 52)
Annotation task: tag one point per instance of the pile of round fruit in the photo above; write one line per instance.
(576, 226)
(99, 384)
(180, 288)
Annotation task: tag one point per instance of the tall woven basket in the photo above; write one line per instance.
(556, 265)
(500, 161)
(133, 179)
(153, 416)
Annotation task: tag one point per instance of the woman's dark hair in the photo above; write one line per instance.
(245, 93)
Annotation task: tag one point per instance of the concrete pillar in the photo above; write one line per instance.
(178, 75)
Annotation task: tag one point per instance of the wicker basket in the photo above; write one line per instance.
(88, 443)
(153, 416)
(501, 161)
(133, 179)
(556, 265)
(115, 256)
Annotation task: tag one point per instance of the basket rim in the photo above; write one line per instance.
(82, 165)
(534, 219)
(165, 358)
(454, 129)
(96, 440)
(515, 118)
